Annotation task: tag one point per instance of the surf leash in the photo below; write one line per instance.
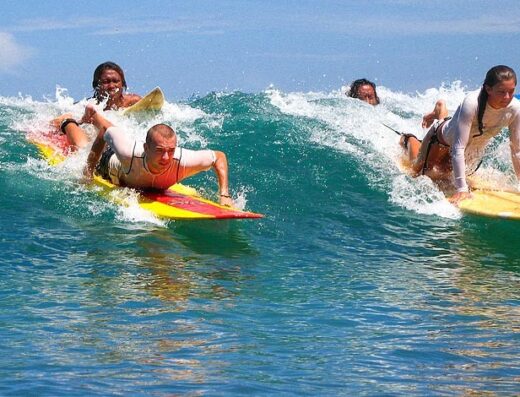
(390, 128)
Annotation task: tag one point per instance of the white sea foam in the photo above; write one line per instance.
(240, 197)
(422, 196)
(345, 124)
(182, 118)
(130, 211)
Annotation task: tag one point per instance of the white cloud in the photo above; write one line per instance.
(12, 54)
(50, 24)
(412, 25)
(118, 26)
(485, 24)
(386, 21)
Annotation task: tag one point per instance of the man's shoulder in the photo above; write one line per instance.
(123, 144)
(188, 156)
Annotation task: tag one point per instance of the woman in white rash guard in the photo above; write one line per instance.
(455, 145)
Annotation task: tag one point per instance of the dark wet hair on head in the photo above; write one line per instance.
(162, 129)
(101, 68)
(354, 88)
(495, 75)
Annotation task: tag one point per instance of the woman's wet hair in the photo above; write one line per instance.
(356, 84)
(100, 69)
(495, 75)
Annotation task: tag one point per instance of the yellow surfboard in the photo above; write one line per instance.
(487, 199)
(154, 100)
(493, 203)
(178, 202)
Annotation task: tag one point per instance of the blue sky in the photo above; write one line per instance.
(197, 46)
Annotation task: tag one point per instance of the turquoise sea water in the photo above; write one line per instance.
(359, 280)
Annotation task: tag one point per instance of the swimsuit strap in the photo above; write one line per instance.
(132, 160)
(476, 168)
(433, 140)
(178, 166)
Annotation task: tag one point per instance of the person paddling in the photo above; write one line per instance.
(455, 146)
(157, 164)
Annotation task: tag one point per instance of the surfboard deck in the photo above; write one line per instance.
(492, 203)
(179, 202)
(154, 100)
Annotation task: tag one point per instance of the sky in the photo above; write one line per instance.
(193, 47)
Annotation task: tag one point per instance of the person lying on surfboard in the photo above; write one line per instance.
(364, 90)
(157, 164)
(109, 85)
(453, 146)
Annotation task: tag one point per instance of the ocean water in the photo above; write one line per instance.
(359, 281)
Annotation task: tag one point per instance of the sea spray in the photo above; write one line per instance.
(252, 128)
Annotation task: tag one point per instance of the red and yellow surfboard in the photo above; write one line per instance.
(179, 202)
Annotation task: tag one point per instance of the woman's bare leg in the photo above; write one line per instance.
(439, 112)
(416, 150)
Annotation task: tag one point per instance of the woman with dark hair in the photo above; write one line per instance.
(453, 144)
(109, 84)
(365, 90)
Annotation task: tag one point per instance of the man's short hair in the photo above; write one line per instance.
(162, 129)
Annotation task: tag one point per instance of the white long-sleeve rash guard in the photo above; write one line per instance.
(466, 143)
